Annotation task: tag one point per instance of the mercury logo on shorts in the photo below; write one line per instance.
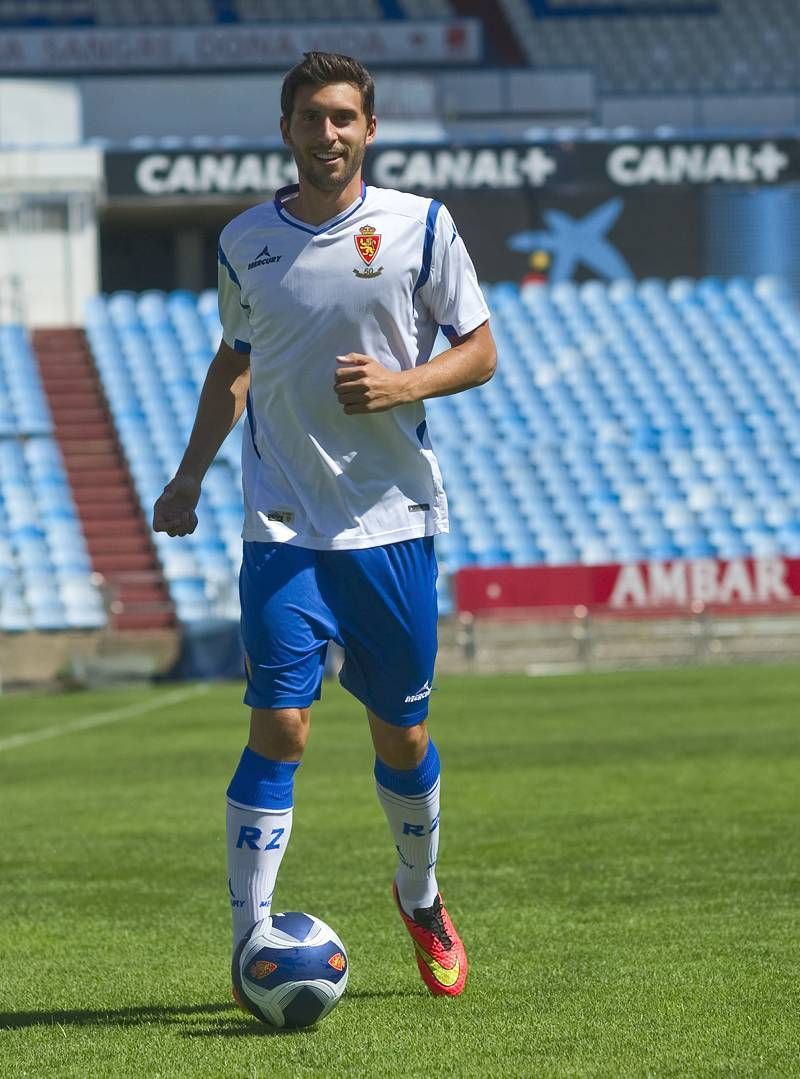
(420, 695)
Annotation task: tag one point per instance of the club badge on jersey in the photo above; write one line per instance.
(367, 243)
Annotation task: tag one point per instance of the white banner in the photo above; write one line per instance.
(243, 47)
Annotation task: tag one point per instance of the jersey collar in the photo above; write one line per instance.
(285, 193)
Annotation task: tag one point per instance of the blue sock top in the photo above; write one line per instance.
(410, 781)
(262, 783)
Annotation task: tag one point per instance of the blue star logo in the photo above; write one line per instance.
(572, 241)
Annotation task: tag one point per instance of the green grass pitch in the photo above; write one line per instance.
(621, 853)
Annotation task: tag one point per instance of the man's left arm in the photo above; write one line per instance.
(364, 385)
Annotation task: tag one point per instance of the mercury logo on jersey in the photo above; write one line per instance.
(263, 258)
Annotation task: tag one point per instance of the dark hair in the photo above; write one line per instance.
(323, 68)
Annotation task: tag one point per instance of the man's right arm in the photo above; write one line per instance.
(222, 402)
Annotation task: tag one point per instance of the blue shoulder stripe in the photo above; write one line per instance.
(223, 258)
(427, 247)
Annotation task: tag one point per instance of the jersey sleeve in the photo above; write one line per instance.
(232, 312)
(452, 293)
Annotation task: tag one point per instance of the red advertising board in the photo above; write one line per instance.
(646, 587)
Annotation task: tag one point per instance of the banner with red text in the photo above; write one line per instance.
(238, 47)
(646, 587)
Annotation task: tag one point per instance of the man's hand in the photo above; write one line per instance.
(364, 385)
(173, 512)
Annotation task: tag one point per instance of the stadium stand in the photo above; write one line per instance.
(152, 352)
(500, 42)
(117, 533)
(640, 46)
(120, 13)
(626, 422)
(46, 578)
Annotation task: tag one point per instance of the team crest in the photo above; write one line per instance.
(337, 961)
(262, 968)
(367, 243)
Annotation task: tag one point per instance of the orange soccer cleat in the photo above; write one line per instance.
(441, 957)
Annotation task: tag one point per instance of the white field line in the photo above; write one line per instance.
(101, 719)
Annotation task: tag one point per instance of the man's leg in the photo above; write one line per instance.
(407, 777)
(407, 781)
(260, 803)
(384, 599)
(285, 629)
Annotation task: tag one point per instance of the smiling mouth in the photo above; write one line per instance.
(327, 158)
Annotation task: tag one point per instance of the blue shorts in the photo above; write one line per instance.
(378, 603)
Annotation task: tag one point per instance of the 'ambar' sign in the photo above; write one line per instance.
(702, 581)
(679, 586)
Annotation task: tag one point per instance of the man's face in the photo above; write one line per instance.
(328, 133)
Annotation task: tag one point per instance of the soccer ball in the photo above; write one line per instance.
(289, 970)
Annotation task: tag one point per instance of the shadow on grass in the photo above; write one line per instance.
(248, 1028)
(149, 1013)
(122, 1017)
(368, 994)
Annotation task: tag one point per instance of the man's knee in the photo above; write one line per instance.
(399, 747)
(279, 733)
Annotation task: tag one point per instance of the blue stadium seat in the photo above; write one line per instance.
(153, 351)
(42, 547)
(635, 401)
(626, 421)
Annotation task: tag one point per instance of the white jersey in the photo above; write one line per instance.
(379, 279)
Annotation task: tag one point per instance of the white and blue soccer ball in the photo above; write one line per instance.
(290, 970)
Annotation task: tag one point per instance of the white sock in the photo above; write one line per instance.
(260, 802)
(257, 839)
(414, 823)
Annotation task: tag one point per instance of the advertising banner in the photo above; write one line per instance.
(491, 169)
(542, 212)
(576, 211)
(240, 47)
(646, 587)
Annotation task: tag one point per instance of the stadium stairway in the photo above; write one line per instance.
(116, 534)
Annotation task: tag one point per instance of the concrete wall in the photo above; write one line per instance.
(49, 242)
(219, 106)
(47, 113)
(709, 112)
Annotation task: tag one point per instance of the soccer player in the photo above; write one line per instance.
(330, 298)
